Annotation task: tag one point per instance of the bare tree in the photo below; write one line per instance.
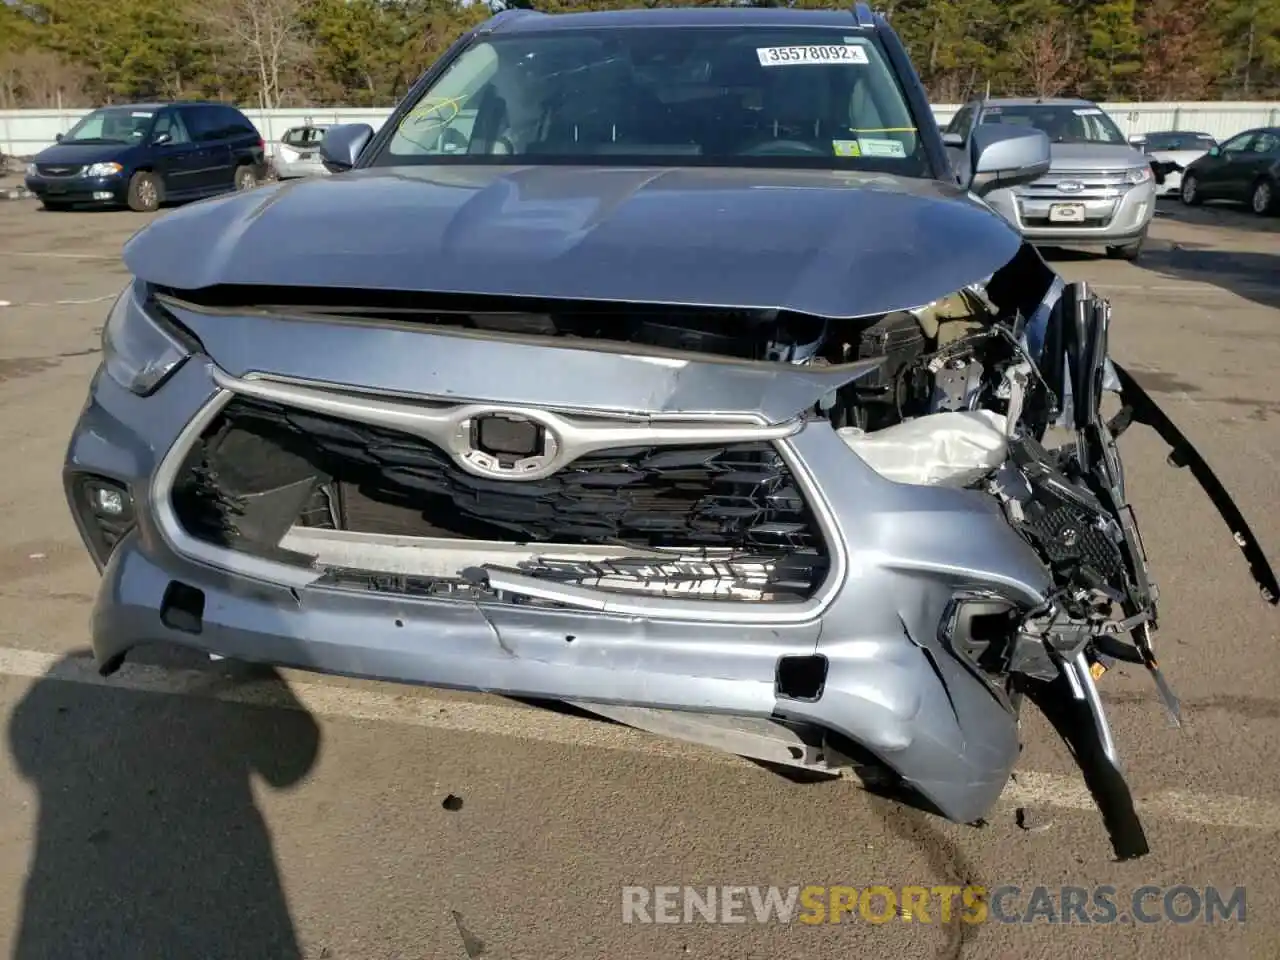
(270, 32)
(1045, 52)
(39, 78)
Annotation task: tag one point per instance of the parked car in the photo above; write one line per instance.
(1245, 168)
(1099, 191)
(298, 153)
(1174, 149)
(653, 361)
(144, 154)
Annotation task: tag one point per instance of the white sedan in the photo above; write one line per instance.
(1176, 146)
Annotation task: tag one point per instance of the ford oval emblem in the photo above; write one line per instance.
(1070, 186)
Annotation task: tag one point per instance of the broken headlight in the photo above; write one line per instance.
(138, 352)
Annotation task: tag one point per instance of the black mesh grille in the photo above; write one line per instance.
(739, 496)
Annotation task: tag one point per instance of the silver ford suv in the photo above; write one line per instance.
(1099, 191)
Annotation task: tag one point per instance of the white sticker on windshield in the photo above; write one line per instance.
(871, 147)
(140, 113)
(1087, 112)
(818, 53)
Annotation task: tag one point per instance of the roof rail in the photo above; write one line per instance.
(862, 12)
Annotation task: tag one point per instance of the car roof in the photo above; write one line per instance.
(528, 21)
(1037, 102)
(161, 104)
(1178, 133)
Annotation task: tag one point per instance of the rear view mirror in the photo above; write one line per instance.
(341, 146)
(160, 139)
(1006, 156)
(57, 138)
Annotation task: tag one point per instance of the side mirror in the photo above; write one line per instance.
(1138, 139)
(342, 144)
(161, 139)
(1215, 151)
(1006, 156)
(57, 138)
(952, 140)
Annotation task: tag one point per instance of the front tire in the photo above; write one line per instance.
(145, 192)
(1128, 251)
(1263, 199)
(1190, 190)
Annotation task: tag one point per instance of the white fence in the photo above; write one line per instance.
(26, 132)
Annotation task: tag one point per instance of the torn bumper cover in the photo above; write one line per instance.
(868, 552)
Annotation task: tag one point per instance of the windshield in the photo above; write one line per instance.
(1062, 122)
(793, 97)
(111, 125)
(1179, 141)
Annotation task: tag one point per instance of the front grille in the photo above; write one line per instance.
(1094, 184)
(58, 170)
(740, 498)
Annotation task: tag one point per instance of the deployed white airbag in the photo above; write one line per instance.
(952, 448)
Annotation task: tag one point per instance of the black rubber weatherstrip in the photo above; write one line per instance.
(1142, 409)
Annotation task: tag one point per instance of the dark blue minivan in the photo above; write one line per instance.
(141, 155)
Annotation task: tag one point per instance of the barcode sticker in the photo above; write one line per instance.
(817, 53)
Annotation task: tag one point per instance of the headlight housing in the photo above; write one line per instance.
(138, 352)
(102, 169)
(1138, 175)
(31, 170)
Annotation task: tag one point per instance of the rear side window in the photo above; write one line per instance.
(235, 124)
(203, 123)
(303, 136)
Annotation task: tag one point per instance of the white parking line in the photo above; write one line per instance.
(525, 723)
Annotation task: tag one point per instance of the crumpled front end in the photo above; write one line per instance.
(804, 539)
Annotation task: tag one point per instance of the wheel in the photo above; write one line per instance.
(53, 205)
(1262, 200)
(245, 179)
(145, 192)
(1129, 251)
(1190, 190)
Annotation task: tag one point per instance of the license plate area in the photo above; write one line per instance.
(1066, 213)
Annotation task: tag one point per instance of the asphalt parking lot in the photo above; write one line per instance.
(186, 810)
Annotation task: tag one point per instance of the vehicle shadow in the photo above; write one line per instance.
(149, 843)
(1252, 275)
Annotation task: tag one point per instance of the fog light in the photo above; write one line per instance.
(108, 501)
(106, 511)
(102, 194)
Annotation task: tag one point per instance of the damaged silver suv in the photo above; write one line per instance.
(651, 361)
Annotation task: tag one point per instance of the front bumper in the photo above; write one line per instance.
(1114, 215)
(80, 190)
(891, 684)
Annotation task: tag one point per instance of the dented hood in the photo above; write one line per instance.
(820, 242)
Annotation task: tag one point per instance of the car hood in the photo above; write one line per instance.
(1094, 156)
(820, 242)
(82, 153)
